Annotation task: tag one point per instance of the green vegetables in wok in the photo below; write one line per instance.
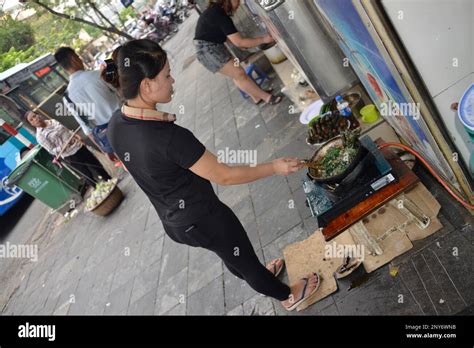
(338, 158)
(336, 161)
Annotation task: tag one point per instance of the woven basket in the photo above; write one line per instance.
(109, 203)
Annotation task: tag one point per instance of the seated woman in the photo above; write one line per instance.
(53, 136)
(174, 169)
(213, 29)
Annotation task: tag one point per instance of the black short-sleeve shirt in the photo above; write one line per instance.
(214, 25)
(158, 155)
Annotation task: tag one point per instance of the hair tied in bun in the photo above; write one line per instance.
(110, 69)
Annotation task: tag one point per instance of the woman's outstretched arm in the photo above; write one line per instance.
(243, 42)
(208, 167)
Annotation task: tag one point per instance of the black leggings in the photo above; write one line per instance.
(85, 163)
(222, 233)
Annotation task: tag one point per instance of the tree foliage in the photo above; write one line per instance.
(79, 12)
(23, 41)
(18, 35)
(127, 12)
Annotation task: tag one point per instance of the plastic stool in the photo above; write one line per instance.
(259, 79)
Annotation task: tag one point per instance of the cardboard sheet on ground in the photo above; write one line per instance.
(309, 256)
(430, 206)
(396, 243)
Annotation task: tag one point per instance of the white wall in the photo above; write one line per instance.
(438, 35)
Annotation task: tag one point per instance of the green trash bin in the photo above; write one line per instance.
(40, 178)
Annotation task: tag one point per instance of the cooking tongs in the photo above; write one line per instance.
(310, 164)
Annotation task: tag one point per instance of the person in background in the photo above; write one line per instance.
(89, 99)
(213, 29)
(53, 136)
(175, 171)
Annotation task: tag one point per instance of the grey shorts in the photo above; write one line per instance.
(212, 55)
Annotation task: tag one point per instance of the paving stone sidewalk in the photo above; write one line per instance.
(125, 264)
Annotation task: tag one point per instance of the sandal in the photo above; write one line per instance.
(276, 270)
(303, 297)
(269, 91)
(275, 99)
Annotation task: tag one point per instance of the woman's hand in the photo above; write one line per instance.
(286, 166)
(268, 39)
(243, 42)
(79, 139)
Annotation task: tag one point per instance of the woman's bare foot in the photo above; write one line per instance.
(275, 266)
(271, 99)
(266, 99)
(256, 100)
(297, 295)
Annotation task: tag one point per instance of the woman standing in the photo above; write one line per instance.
(174, 169)
(213, 29)
(58, 140)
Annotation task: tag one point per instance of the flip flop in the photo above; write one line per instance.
(303, 297)
(269, 91)
(276, 271)
(276, 99)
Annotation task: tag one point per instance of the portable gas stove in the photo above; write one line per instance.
(373, 172)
